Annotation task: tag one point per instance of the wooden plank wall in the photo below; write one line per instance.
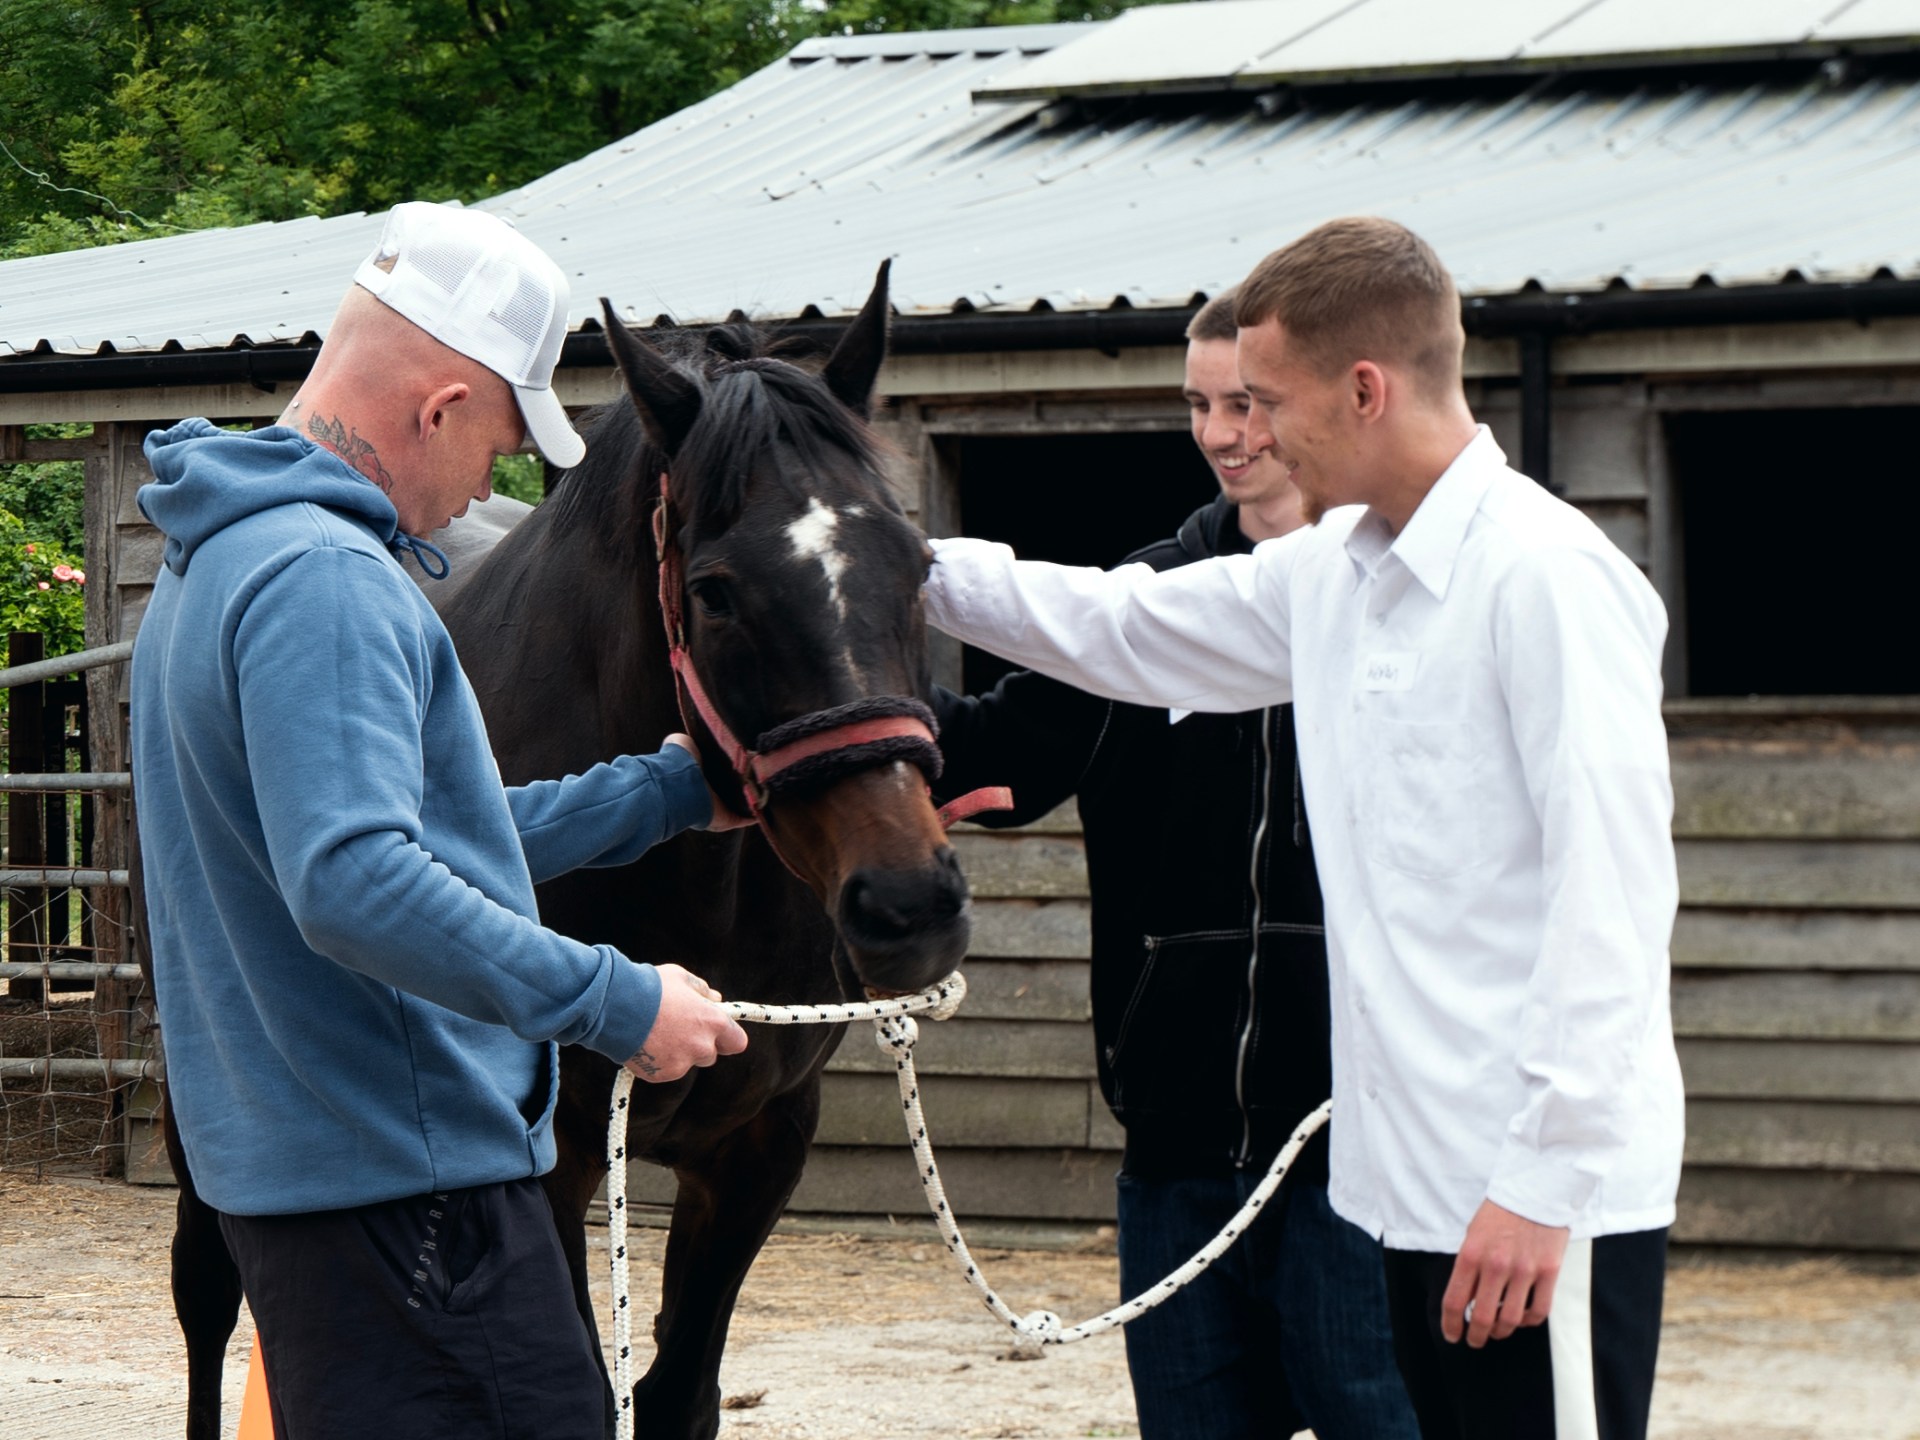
(1796, 989)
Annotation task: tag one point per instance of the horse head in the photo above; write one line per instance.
(791, 592)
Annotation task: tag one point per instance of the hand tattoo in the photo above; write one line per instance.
(646, 1064)
(358, 453)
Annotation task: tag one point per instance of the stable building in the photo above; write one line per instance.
(1684, 238)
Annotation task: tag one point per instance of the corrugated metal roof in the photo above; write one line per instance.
(779, 196)
(1255, 44)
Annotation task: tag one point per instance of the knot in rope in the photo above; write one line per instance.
(1041, 1327)
(897, 1034)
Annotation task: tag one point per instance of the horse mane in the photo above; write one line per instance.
(754, 395)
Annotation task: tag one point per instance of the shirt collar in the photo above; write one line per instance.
(1430, 542)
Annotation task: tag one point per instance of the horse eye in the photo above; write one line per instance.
(712, 597)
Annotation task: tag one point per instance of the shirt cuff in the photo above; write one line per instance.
(959, 563)
(1548, 1189)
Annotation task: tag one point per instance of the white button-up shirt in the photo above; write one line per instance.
(1485, 768)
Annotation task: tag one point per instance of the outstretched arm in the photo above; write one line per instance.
(1210, 636)
(611, 814)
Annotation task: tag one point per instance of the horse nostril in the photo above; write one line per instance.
(892, 905)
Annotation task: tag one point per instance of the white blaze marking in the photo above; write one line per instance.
(812, 537)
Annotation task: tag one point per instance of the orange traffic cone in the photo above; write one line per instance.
(256, 1416)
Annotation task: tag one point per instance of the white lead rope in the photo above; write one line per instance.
(895, 1033)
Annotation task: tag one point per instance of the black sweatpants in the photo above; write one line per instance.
(1587, 1374)
(450, 1314)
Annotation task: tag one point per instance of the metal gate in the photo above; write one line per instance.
(75, 1015)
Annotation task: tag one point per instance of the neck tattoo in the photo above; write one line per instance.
(348, 445)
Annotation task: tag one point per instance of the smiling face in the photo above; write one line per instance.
(1302, 419)
(1217, 404)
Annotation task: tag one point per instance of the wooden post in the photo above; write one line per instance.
(1536, 410)
(26, 832)
(123, 1009)
(940, 515)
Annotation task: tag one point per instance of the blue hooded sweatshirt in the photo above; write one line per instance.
(357, 999)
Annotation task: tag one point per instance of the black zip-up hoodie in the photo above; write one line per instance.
(1195, 833)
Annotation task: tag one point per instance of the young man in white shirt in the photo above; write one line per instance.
(1475, 672)
(1206, 916)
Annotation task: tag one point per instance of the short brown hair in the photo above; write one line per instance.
(1215, 320)
(1361, 288)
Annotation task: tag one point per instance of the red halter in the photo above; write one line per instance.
(866, 733)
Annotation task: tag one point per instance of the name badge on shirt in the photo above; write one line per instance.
(1389, 671)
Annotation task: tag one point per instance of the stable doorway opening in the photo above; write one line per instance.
(1794, 530)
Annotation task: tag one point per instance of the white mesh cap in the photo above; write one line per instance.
(477, 285)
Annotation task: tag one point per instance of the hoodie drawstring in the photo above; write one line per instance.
(420, 550)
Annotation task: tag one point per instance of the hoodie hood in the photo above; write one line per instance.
(1214, 529)
(206, 479)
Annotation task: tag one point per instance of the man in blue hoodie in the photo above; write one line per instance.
(360, 1006)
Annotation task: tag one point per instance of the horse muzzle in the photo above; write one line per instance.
(904, 928)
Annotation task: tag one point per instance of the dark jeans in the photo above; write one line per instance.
(450, 1314)
(1288, 1330)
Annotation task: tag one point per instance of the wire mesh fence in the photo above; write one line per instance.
(68, 1012)
(74, 1021)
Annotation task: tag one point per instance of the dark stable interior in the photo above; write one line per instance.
(1783, 517)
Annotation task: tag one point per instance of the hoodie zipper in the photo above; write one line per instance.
(1253, 957)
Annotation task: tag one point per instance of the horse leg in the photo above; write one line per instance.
(206, 1293)
(728, 1201)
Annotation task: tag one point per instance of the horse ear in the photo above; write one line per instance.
(668, 401)
(855, 363)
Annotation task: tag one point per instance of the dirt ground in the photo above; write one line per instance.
(839, 1336)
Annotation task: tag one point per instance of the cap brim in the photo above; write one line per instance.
(552, 433)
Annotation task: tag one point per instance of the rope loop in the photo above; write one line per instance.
(895, 1032)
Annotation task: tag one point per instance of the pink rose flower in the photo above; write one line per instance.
(63, 572)
(45, 586)
(79, 577)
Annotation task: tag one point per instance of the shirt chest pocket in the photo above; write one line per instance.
(1417, 807)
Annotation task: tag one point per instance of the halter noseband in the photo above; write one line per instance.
(817, 747)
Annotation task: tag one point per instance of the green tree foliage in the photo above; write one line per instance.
(123, 121)
(42, 535)
(40, 589)
(48, 499)
(522, 477)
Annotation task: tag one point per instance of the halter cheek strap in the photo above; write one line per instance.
(816, 747)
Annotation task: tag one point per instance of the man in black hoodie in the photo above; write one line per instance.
(1212, 1044)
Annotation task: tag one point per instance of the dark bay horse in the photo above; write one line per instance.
(801, 596)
